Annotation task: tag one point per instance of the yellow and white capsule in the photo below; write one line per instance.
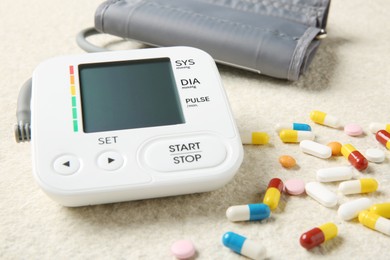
(375, 127)
(249, 137)
(382, 209)
(324, 119)
(364, 185)
(375, 222)
(293, 136)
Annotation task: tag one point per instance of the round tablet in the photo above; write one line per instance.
(287, 161)
(294, 186)
(336, 148)
(353, 129)
(375, 155)
(183, 249)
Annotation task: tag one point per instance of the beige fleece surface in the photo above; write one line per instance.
(349, 78)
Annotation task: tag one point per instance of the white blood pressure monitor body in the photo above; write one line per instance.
(129, 125)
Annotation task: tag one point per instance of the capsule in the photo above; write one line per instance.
(248, 137)
(364, 185)
(354, 157)
(383, 137)
(293, 136)
(340, 173)
(351, 209)
(324, 119)
(375, 222)
(243, 246)
(375, 127)
(249, 212)
(315, 149)
(273, 193)
(382, 209)
(318, 235)
(293, 126)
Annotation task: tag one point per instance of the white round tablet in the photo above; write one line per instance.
(375, 155)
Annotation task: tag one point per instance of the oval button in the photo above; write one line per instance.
(110, 161)
(186, 153)
(66, 164)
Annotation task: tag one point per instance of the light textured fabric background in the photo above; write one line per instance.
(349, 78)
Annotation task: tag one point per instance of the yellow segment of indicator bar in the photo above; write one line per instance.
(73, 90)
(317, 116)
(329, 230)
(260, 138)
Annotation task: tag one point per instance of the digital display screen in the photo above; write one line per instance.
(128, 95)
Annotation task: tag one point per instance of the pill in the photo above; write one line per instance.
(293, 126)
(353, 129)
(293, 136)
(364, 185)
(248, 137)
(273, 193)
(243, 246)
(340, 173)
(321, 194)
(382, 209)
(383, 137)
(287, 161)
(375, 222)
(324, 119)
(294, 186)
(249, 212)
(318, 235)
(183, 249)
(354, 157)
(351, 209)
(375, 127)
(336, 148)
(375, 155)
(315, 149)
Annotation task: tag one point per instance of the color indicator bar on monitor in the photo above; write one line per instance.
(74, 101)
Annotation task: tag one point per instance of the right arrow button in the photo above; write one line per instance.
(110, 161)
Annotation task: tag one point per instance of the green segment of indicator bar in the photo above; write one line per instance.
(74, 102)
(75, 126)
(74, 112)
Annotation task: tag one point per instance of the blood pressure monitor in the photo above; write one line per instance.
(129, 125)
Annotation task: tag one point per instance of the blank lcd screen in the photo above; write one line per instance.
(129, 94)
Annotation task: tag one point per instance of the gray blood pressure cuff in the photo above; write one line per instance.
(277, 38)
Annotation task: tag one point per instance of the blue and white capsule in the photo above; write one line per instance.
(250, 212)
(293, 126)
(243, 246)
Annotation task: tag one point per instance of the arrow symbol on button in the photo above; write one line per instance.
(67, 164)
(110, 160)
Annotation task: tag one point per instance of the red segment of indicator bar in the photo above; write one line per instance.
(71, 70)
(276, 183)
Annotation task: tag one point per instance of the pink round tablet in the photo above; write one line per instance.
(353, 129)
(183, 249)
(294, 186)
